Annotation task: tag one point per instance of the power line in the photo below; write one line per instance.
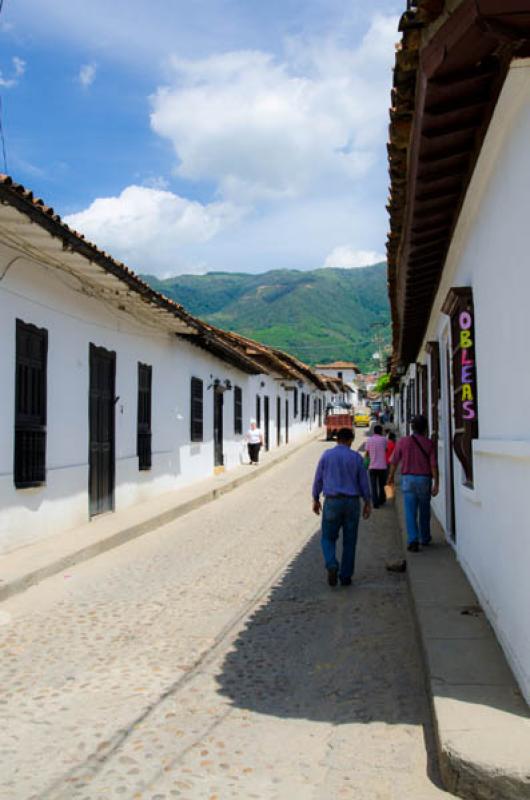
(2, 137)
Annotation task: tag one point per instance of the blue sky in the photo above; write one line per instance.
(187, 136)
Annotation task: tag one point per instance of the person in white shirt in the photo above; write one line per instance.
(254, 439)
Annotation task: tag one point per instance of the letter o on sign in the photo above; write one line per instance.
(465, 320)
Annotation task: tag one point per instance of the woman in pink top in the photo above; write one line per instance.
(376, 449)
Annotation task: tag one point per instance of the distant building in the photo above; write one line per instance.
(459, 285)
(345, 371)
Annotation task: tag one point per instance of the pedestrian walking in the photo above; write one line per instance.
(342, 478)
(377, 468)
(390, 447)
(254, 439)
(419, 481)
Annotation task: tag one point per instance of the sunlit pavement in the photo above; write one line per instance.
(210, 659)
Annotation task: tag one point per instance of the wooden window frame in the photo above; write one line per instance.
(196, 410)
(459, 301)
(31, 382)
(143, 419)
(238, 410)
(433, 351)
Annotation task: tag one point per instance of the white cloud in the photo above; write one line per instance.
(149, 228)
(347, 257)
(18, 70)
(87, 74)
(292, 149)
(263, 128)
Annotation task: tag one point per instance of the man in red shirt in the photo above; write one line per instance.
(419, 481)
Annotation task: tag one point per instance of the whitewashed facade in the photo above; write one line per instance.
(473, 365)
(77, 305)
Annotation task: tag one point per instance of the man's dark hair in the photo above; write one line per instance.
(345, 435)
(419, 424)
(378, 429)
(392, 436)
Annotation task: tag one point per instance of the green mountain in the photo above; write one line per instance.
(319, 316)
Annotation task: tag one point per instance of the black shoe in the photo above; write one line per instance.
(345, 581)
(413, 547)
(332, 576)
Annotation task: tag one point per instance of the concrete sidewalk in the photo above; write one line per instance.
(482, 722)
(30, 564)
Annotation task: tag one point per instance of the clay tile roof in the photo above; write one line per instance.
(339, 365)
(450, 66)
(251, 356)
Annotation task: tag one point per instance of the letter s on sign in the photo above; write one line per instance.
(469, 411)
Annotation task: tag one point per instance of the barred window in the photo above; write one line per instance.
(295, 399)
(196, 416)
(238, 410)
(258, 411)
(143, 433)
(30, 405)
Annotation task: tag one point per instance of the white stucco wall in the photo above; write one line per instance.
(490, 252)
(48, 298)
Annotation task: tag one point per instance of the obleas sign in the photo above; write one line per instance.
(459, 307)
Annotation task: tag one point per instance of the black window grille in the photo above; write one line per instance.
(238, 410)
(196, 432)
(258, 411)
(30, 405)
(295, 403)
(143, 434)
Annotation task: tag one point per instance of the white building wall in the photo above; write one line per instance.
(50, 299)
(489, 252)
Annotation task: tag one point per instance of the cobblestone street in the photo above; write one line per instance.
(210, 659)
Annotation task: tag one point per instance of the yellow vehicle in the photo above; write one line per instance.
(362, 417)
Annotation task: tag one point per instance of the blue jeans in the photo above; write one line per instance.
(340, 512)
(417, 499)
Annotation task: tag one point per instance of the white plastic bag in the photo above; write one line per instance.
(243, 454)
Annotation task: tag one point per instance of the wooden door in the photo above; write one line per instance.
(218, 428)
(266, 414)
(101, 430)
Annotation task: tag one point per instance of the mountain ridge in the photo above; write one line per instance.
(317, 315)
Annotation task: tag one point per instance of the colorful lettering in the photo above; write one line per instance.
(467, 394)
(465, 320)
(467, 373)
(465, 339)
(469, 411)
(465, 359)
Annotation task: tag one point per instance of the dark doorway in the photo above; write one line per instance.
(319, 412)
(278, 422)
(258, 411)
(286, 422)
(102, 399)
(218, 456)
(266, 415)
(449, 465)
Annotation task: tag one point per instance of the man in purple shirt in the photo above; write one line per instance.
(342, 477)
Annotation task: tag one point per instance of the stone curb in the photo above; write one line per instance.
(481, 722)
(57, 564)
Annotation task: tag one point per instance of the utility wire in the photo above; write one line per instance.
(2, 137)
